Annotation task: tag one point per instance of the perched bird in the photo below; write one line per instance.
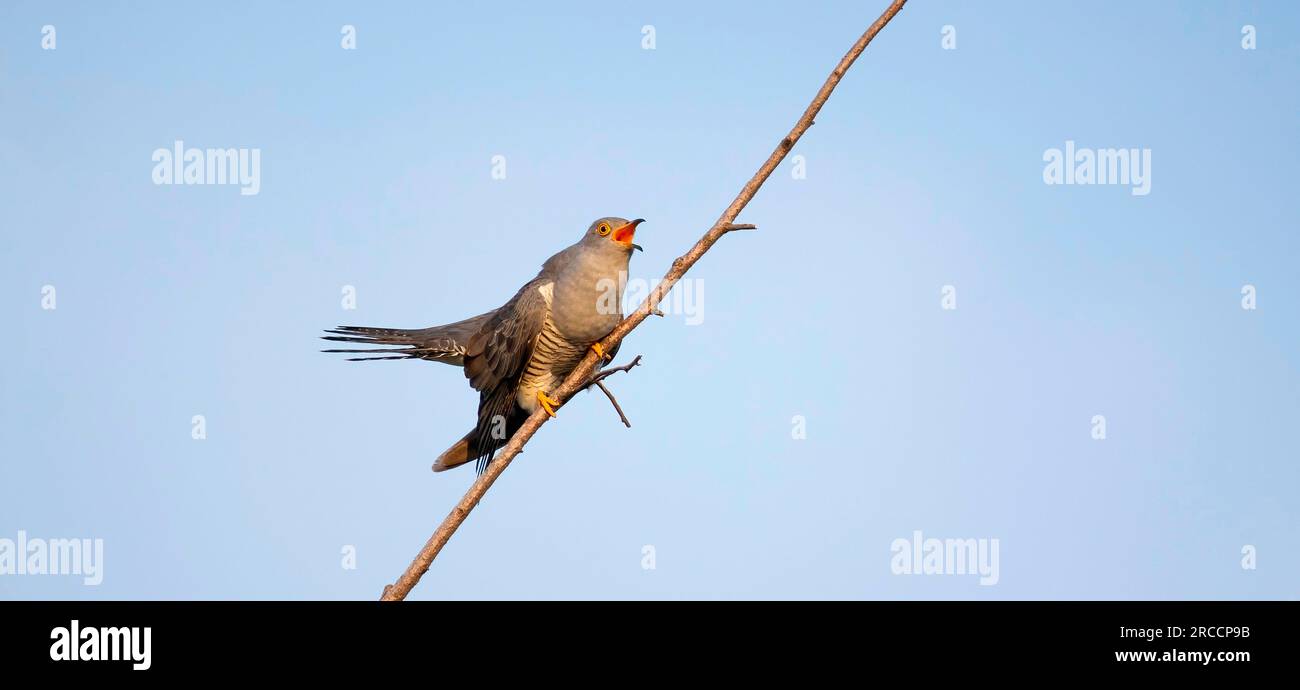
(517, 355)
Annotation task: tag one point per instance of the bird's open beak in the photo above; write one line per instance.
(625, 234)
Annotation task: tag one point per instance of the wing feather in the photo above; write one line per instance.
(496, 358)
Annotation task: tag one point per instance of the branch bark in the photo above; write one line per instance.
(580, 377)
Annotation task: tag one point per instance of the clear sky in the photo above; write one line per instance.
(925, 170)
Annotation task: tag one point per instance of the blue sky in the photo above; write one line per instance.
(924, 170)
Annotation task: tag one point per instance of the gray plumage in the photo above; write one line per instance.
(436, 344)
(526, 347)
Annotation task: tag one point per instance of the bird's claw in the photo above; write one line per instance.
(546, 402)
(600, 352)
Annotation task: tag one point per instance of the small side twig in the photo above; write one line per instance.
(614, 401)
(598, 381)
(730, 227)
(606, 373)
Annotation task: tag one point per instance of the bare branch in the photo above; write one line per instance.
(599, 378)
(614, 401)
(579, 378)
(606, 373)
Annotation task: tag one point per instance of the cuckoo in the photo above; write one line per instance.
(515, 356)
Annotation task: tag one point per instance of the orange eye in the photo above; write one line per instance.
(603, 229)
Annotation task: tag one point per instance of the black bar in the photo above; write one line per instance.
(235, 638)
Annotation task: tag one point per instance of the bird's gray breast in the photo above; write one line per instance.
(588, 298)
(554, 355)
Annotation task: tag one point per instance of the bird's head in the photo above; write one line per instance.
(613, 232)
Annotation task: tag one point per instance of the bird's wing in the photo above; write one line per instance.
(500, 350)
(496, 358)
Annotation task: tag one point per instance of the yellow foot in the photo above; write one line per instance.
(600, 352)
(546, 402)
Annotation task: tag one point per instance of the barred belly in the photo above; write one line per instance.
(553, 359)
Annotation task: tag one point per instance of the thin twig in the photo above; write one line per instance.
(577, 379)
(614, 401)
(599, 378)
(606, 373)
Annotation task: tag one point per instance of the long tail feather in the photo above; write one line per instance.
(455, 456)
(437, 344)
